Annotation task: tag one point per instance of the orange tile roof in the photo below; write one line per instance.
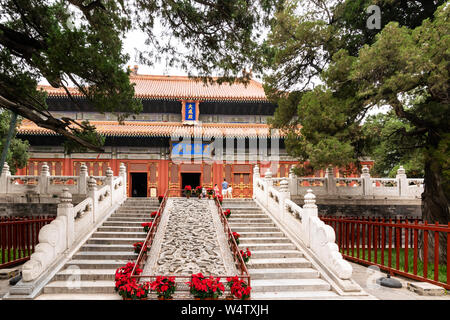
(164, 129)
(182, 87)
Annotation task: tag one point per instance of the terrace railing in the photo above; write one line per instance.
(18, 238)
(408, 247)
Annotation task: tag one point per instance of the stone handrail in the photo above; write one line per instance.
(72, 224)
(364, 186)
(43, 184)
(304, 222)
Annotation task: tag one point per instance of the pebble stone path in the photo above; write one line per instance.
(189, 240)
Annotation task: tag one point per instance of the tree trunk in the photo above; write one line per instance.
(435, 203)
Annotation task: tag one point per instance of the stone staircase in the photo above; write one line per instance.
(90, 272)
(278, 269)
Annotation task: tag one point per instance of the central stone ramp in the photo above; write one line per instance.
(189, 240)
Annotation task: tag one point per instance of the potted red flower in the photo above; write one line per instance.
(188, 191)
(198, 191)
(138, 246)
(154, 214)
(210, 192)
(127, 287)
(147, 226)
(164, 286)
(246, 255)
(220, 198)
(227, 213)
(239, 288)
(160, 198)
(236, 236)
(202, 287)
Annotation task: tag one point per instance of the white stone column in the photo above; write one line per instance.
(293, 182)
(284, 194)
(256, 176)
(109, 182)
(123, 174)
(309, 210)
(330, 181)
(268, 178)
(65, 209)
(402, 182)
(82, 182)
(366, 181)
(92, 192)
(44, 179)
(4, 179)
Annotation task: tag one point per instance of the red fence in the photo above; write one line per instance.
(407, 247)
(18, 237)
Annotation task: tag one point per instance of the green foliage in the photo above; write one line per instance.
(17, 155)
(88, 133)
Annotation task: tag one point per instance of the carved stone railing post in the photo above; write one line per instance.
(123, 174)
(256, 176)
(4, 179)
(82, 183)
(109, 182)
(366, 182)
(284, 195)
(92, 193)
(309, 210)
(65, 209)
(44, 179)
(330, 181)
(402, 182)
(268, 178)
(292, 182)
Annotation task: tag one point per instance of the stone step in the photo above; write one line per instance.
(280, 285)
(120, 228)
(114, 241)
(245, 220)
(84, 296)
(261, 254)
(122, 224)
(97, 264)
(295, 295)
(261, 234)
(129, 218)
(94, 286)
(247, 216)
(85, 274)
(270, 263)
(251, 228)
(131, 214)
(246, 241)
(102, 255)
(280, 273)
(267, 246)
(143, 208)
(251, 225)
(117, 235)
(106, 247)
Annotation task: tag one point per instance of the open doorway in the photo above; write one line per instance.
(138, 184)
(190, 179)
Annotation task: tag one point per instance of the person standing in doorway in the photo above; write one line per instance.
(230, 192)
(224, 188)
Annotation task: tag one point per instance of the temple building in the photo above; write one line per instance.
(188, 133)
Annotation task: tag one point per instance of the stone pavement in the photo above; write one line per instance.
(366, 278)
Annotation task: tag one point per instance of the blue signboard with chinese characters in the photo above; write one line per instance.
(189, 111)
(182, 149)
